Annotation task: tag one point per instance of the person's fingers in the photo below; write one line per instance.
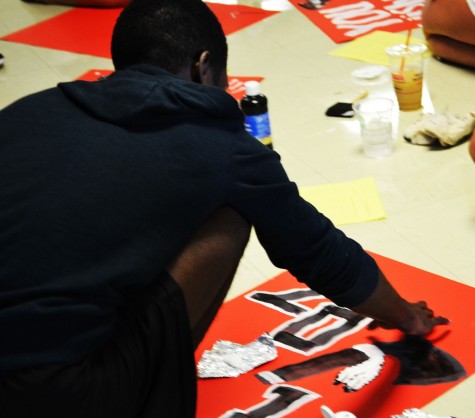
(428, 311)
(423, 305)
(427, 321)
(440, 320)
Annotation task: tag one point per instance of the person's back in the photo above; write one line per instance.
(83, 198)
(99, 192)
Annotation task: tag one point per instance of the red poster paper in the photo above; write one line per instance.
(94, 75)
(243, 320)
(81, 30)
(236, 17)
(88, 30)
(344, 20)
(235, 83)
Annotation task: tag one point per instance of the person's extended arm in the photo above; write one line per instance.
(303, 241)
(390, 310)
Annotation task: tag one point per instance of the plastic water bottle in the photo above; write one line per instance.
(256, 113)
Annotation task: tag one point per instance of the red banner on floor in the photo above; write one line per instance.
(381, 373)
(88, 30)
(344, 20)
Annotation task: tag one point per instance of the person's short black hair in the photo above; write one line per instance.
(170, 34)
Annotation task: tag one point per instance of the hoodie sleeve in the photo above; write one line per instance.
(294, 234)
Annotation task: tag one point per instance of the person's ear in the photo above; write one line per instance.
(202, 72)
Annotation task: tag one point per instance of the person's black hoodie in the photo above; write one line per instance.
(102, 183)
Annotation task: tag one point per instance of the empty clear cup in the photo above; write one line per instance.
(375, 116)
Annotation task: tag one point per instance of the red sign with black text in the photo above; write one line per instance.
(344, 20)
(327, 356)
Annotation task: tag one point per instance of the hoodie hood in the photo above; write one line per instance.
(143, 94)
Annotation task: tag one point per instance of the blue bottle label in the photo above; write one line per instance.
(258, 126)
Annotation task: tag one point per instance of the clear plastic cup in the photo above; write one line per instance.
(375, 116)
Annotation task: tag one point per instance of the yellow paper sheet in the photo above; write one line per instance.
(346, 203)
(371, 48)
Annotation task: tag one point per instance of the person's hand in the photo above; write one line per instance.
(420, 321)
(390, 310)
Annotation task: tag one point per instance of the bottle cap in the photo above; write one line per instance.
(252, 88)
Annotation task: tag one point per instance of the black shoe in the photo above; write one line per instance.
(2, 60)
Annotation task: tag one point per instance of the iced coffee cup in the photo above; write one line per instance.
(406, 63)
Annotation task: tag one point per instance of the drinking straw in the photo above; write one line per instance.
(403, 61)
